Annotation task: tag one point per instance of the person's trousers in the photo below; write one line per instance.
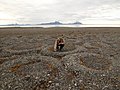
(60, 47)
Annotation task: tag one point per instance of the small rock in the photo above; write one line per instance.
(80, 81)
(69, 88)
(48, 74)
(50, 81)
(94, 84)
(3, 74)
(36, 77)
(103, 75)
(104, 87)
(57, 84)
(27, 77)
(9, 86)
(75, 84)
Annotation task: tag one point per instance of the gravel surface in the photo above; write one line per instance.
(90, 59)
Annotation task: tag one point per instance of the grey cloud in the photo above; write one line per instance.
(63, 10)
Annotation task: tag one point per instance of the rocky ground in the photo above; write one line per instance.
(90, 59)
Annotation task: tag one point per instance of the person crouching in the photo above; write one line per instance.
(59, 44)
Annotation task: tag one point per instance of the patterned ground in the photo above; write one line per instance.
(89, 61)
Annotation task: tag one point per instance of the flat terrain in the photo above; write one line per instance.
(90, 59)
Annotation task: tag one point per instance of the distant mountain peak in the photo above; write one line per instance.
(52, 23)
(56, 22)
(77, 22)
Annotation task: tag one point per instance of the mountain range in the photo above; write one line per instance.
(48, 23)
(59, 23)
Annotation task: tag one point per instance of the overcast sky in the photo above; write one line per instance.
(37, 11)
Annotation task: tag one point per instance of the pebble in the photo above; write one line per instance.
(3, 73)
(94, 84)
(104, 87)
(36, 77)
(80, 81)
(75, 84)
(57, 84)
(50, 81)
(48, 74)
(103, 75)
(69, 88)
(9, 86)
